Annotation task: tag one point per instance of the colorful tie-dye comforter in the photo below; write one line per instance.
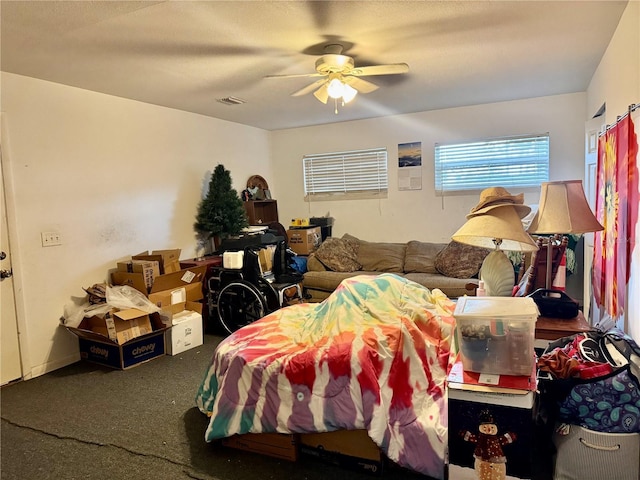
(374, 355)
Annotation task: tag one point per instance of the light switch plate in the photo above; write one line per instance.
(50, 239)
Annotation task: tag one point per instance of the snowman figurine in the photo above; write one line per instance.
(490, 461)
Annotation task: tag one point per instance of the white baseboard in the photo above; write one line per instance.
(47, 367)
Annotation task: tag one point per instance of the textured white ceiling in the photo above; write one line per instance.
(187, 54)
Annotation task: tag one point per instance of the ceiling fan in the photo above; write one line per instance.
(340, 77)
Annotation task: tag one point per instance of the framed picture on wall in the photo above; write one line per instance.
(410, 166)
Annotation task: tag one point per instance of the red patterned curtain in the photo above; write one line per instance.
(617, 211)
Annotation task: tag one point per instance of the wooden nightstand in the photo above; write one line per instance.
(549, 329)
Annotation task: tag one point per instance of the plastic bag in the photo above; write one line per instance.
(123, 296)
(119, 296)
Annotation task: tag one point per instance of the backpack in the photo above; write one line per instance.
(591, 380)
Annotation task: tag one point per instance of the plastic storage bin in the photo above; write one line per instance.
(495, 334)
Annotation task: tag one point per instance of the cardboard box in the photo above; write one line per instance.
(164, 285)
(351, 449)
(98, 348)
(147, 257)
(172, 291)
(169, 259)
(186, 330)
(149, 269)
(278, 445)
(514, 416)
(134, 280)
(304, 241)
(121, 326)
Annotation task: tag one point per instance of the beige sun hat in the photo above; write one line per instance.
(494, 197)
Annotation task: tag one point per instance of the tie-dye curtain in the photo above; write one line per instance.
(617, 211)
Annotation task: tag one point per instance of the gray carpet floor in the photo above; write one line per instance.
(85, 421)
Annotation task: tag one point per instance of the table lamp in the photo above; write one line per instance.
(563, 209)
(499, 227)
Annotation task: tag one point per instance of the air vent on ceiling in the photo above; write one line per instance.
(231, 101)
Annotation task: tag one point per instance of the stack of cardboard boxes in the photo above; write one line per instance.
(306, 234)
(123, 338)
(303, 237)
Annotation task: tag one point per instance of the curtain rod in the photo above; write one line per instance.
(632, 108)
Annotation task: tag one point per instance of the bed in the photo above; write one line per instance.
(374, 355)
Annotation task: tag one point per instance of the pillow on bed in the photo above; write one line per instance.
(458, 260)
(339, 254)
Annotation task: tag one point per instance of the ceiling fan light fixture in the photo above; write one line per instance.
(336, 88)
(340, 79)
(348, 93)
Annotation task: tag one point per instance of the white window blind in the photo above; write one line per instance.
(521, 161)
(356, 173)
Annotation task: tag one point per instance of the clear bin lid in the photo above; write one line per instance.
(496, 306)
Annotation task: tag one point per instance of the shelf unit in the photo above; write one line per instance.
(261, 211)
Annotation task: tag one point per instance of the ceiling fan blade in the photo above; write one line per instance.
(309, 88)
(363, 86)
(322, 93)
(391, 69)
(297, 75)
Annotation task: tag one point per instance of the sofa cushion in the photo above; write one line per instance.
(327, 281)
(338, 254)
(458, 260)
(381, 257)
(420, 257)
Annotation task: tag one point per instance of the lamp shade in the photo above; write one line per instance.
(564, 209)
(500, 223)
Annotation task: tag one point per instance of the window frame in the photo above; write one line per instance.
(337, 174)
(479, 178)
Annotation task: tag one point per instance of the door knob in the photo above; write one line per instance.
(5, 273)
(3, 255)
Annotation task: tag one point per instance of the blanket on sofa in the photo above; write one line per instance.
(375, 355)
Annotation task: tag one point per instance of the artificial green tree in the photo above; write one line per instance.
(221, 213)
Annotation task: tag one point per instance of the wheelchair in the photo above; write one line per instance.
(240, 296)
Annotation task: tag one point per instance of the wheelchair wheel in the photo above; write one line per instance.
(269, 294)
(240, 303)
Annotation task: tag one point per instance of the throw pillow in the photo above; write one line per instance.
(339, 254)
(458, 260)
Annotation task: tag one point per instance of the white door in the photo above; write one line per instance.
(10, 366)
(592, 128)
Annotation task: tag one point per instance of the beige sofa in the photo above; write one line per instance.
(451, 267)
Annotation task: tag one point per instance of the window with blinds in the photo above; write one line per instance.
(341, 175)
(521, 161)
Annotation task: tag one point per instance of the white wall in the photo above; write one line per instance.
(421, 215)
(114, 177)
(616, 83)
